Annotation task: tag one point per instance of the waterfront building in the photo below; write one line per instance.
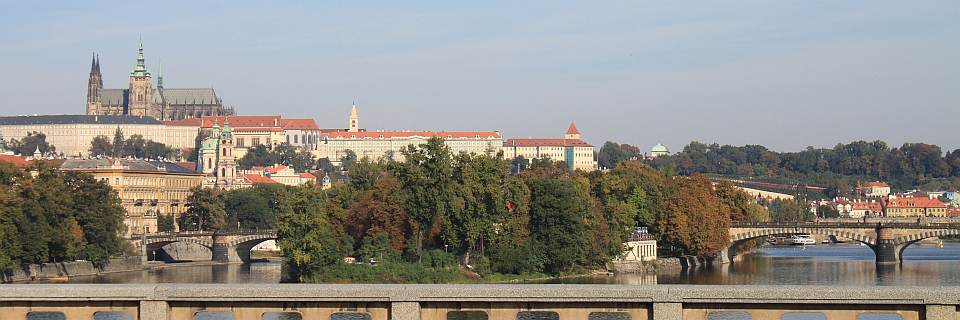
(571, 149)
(659, 150)
(865, 208)
(147, 189)
(141, 98)
(876, 189)
(278, 174)
(915, 207)
(71, 134)
(251, 131)
(334, 145)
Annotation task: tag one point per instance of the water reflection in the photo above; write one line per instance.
(257, 272)
(846, 265)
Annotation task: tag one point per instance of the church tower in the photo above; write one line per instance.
(94, 88)
(140, 93)
(354, 119)
(227, 162)
(572, 132)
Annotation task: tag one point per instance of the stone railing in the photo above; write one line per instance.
(472, 302)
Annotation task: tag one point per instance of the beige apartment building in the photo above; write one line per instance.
(72, 134)
(334, 145)
(572, 150)
(251, 131)
(147, 189)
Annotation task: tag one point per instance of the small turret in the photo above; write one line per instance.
(354, 119)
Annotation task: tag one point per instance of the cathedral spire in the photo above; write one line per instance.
(140, 70)
(159, 75)
(93, 63)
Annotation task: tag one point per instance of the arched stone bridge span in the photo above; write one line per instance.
(887, 240)
(230, 246)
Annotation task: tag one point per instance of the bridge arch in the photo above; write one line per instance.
(739, 236)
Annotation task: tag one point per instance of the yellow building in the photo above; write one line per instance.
(915, 207)
(72, 134)
(147, 189)
(374, 145)
(251, 131)
(572, 150)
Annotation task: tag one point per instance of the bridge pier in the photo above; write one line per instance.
(886, 249)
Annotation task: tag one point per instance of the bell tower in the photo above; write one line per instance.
(140, 94)
(354, 119)
(94, 88)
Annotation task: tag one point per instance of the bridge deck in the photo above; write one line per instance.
(471, 302)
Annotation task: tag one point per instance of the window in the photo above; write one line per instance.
(879, 316)
(728, 315)
(210, 315)
(538, 315)
(803, 316)
(281, 316)
(467, 315)
(608, 316)
(350, 316)
(45, 315)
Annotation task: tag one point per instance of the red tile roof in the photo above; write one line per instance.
(17, 161)
(305, 175)
(187, 165)
(235, 121)
(298, 124)
(915, 202)
(270, 169)
(405, 134)
(573, 129)
(256, 178)
(876, 184)
(865, 205)
(545, 143)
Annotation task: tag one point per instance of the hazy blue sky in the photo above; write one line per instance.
(786, 74)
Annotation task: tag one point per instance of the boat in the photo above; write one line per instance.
(825, 241)
(778, 240)
(803, 240)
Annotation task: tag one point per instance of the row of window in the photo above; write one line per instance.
(743, 315)
(200, 315)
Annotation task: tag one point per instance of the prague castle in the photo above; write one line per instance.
(141, 98)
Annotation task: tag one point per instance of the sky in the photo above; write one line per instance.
(786, 74)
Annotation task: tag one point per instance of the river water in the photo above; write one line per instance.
(842, 264)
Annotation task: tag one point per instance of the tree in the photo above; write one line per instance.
(156, 150)
(251, 208)
(299, 159)
(205, 210)
(118, 143)
(135, 146)
(31, 143)
(557, 222)
(349, 157)
(380, 211)
(101, 146)
(695, 220)
(257, 156)
(166, 223)
(426, 177)
(304, 234)
(612, 153)
(11, 241)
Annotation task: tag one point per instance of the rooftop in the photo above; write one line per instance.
(537, 142)
(139, 165)
(409, 134)
(75, 119)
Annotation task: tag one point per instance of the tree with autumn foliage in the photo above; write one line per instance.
(696, 221)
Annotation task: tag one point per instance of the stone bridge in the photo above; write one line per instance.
(229, 246)
(887, 240)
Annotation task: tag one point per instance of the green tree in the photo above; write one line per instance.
(426, 177)
(118, 143)
(257, 156)
(166, 223)
(305, 235)
(135, 146)
(11, 216)
(205, 210)
(31, 143)
(557, 222)
(612, 153)
(156, 150)
(101, 146)
(251, 208)
(695, 220)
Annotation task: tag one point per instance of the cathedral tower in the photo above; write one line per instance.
(354, 119)
(572, 132)
(94, 87)
(141, 90)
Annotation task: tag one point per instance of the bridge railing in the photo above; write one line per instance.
(859, 225)
(473, 302)
(202, 233)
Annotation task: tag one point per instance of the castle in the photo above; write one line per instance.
(142, 99)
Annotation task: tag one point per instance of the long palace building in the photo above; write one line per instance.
(141, 98)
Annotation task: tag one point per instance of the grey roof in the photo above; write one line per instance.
(128, 164)
(190, 96)
(113, 97)
(75, 119)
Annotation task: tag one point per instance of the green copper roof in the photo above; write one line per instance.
(209, 144)
(140, 70)
(659, 148)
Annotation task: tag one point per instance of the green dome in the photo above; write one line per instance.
(659, 148)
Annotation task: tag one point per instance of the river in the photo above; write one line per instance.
(845, 265)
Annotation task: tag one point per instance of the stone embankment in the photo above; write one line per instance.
(658, 264)
(63, 270)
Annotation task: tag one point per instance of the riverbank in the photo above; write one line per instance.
(63, 271)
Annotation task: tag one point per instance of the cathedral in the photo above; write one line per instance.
(143, 99)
